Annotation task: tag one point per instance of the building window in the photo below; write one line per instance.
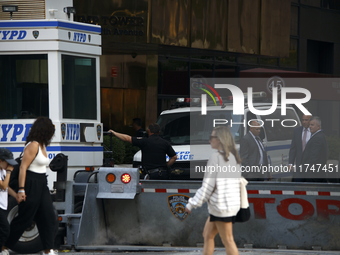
(24, 86)
(320, 57)
(314, 3)
(331, 4)
(79, 87)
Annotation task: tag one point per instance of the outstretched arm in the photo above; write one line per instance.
(123, 137)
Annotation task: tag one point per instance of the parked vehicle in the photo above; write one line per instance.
(188, 131)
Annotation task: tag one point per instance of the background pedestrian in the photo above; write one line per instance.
(222, 192)
(6, 167)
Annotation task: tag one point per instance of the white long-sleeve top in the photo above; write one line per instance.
(221, 191)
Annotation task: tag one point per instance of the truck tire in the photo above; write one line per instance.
(30, 241)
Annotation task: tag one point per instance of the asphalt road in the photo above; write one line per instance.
(116, 250)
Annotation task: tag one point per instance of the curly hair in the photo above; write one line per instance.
(41, 131)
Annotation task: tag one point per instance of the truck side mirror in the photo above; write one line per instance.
(59, 163)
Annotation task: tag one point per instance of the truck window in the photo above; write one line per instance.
(194, 128)
(24, 86)
(79, 87)
(279, 132)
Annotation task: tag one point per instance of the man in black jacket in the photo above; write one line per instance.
(301, 137)
(154, 152)
(314, 157)
(253, 154)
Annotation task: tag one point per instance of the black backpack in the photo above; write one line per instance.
(14, 178)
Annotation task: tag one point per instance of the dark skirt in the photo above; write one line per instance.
(223, 219)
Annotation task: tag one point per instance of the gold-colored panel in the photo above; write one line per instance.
(243, 26)
(294, 20)
(275, 28)
(120, 106)
(111, 108)
(292, 60)
(209, 24)
(134, 101)
(123, 71)
(169, 22)
(121, 21)
(151, 89)
(27, 9)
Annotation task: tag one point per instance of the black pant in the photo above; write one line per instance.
(38, 207)
(4, 227)
(158, 174)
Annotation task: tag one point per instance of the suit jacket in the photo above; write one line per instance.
(295, 151)
(250, 155)
(316, 152)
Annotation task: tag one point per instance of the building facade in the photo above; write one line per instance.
(152, 48)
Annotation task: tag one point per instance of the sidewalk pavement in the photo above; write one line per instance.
(128, 250)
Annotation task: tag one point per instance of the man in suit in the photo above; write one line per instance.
(300, 138)
(315, 153)
(253, 154)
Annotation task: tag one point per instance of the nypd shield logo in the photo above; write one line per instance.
(35, 34)
(177, 205)
(63, 130)
(99, 131)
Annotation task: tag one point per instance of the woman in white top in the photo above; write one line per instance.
(221, 190)
(35, 203)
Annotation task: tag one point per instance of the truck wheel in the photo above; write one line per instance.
(30, 241)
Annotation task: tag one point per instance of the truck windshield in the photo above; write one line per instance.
(24, 86)
(194, 128)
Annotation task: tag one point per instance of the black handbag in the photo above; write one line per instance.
(243, 215)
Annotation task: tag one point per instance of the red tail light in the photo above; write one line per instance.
(125, 178)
